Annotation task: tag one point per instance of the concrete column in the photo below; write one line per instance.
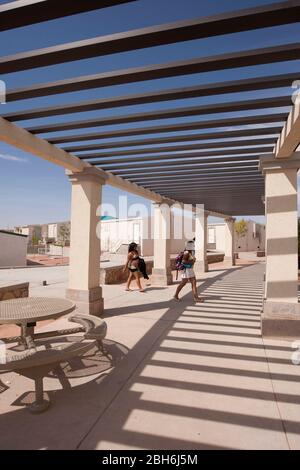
(201, 264)
(281, 314)
(161, 272)
(84, 272)
(229, 258)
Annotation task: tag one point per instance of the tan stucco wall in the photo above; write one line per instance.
(249, 242)
(220, 237)
(241, 244)
(13, 250)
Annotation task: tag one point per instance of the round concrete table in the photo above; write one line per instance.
(28, 310)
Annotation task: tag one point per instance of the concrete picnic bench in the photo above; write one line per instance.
(36, 361)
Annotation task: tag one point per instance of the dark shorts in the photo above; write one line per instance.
(133, 270)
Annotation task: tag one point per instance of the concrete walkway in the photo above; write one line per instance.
(184, 376)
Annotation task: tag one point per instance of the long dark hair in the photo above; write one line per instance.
(132, 247)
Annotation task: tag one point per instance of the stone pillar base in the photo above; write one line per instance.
(161, 277)
(280, 319)
(200, 267)
(87, 301)
(229, 261)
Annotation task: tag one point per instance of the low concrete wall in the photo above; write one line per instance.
(55, 250)
(261, 254)
(115, 274)
(15, 291)
(215, 258)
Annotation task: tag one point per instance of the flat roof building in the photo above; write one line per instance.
(13, 249)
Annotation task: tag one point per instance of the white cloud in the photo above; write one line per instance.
(12, 158)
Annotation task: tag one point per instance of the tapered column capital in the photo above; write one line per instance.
(230, 219)
(89, 174)
(201, 212)
(167, 202)
(269, 163)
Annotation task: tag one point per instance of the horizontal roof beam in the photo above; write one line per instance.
(184, 126)
(250, 176)
(233, 204)
(187, 162)
(227, 107)
(143, 180)
(216, 214)
(255, 208)
(158, 71)
(250, 199)
(177, 196)
(213, 186)
(174, 168)
(217, 186)
(226, 183)
(178, 138)
(238, 200)
(227, 23)
(184, 148)
(213, 192)
(27, 12)
(131, 187)
(182, 184)
(20, 138)
(219, 194)
(192, 171)
(208, 175)
(179, 156)
(203, 90)
(235, 86)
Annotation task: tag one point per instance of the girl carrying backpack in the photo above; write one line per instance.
(184, 263)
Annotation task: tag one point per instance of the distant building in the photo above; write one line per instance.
(13, 249)
(31, 231)
(45, 233)
(116, 234)
(253, 240)
(54, 231)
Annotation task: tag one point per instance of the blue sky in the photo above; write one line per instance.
(35, 191)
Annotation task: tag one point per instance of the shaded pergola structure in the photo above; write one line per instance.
(241, 165)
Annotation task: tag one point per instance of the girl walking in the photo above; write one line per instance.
(132, 265)
(188, 275)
